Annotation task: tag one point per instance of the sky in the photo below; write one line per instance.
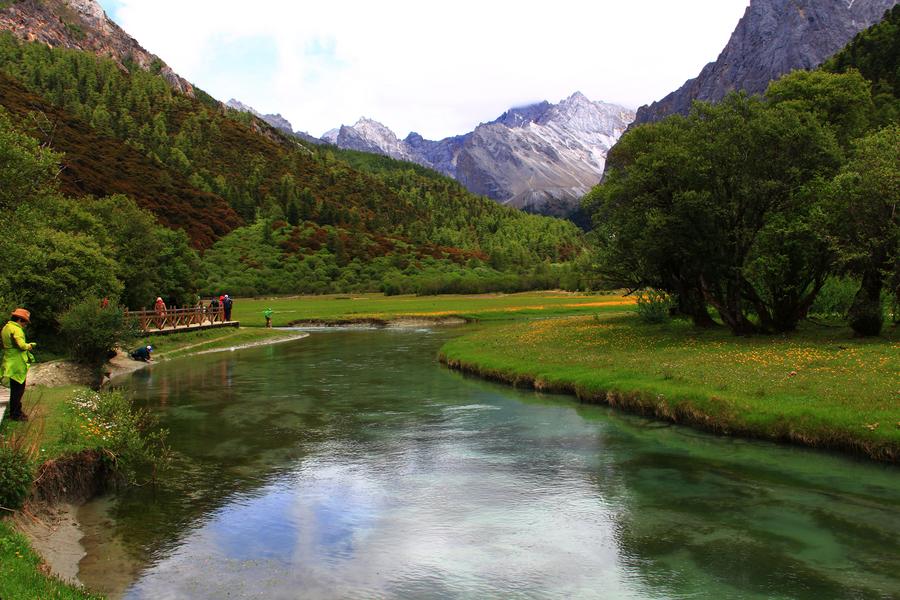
(434, 67)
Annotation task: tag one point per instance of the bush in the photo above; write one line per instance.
(92, 332)
(15, 475)
(130, 436)
(653, 306)
(835, 297)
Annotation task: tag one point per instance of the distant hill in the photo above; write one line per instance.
(773, 38)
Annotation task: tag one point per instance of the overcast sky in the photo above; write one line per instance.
(438, 68)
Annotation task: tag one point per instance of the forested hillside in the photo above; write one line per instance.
(100, 165)
(267, 212)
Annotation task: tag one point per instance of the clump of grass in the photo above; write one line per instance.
(653, 306)
(16, 472)
(130, 437)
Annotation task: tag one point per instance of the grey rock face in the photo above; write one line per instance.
(542, 157)
(276, 121)
(82, 25)
(773, 38)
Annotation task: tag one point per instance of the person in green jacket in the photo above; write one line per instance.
(268, 315)
(16, 360)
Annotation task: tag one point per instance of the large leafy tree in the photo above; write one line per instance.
(721, 208)
(865, 200)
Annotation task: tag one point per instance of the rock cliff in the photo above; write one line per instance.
(82, 25)
(773, 38)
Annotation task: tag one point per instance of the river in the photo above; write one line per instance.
(351, 465)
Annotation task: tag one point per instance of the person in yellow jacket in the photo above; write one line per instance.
(16, 360)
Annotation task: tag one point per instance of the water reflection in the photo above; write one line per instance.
(350, 465)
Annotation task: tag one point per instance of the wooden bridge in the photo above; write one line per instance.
(172, 320)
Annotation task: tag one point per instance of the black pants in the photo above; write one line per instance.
(16, 391)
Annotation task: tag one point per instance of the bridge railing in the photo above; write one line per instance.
(173, 318)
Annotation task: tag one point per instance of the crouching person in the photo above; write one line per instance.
(142, 353)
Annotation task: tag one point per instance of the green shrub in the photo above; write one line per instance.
(15, 475)
(653, 306)
(130, 436)
(92, 331)
(835, 297)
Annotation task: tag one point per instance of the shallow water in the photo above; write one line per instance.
(351, 465)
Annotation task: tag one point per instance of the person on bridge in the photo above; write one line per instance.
(142, 353)
(226, 303)
(160, 306)
(17, 358)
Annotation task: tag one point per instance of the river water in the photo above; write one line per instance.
(351, 465)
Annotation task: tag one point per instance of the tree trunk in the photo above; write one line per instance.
(866, 314)
(692, 304)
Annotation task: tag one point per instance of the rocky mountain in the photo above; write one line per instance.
(276, 121)
(541, 158)
(82, 25)
(774, 37)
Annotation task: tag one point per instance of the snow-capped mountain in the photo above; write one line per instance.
(368, 135)
(542, 157)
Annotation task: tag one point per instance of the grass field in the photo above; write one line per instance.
(820, 387)
(484, 307)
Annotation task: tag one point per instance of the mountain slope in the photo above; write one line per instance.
(773, 38)
(83, 25)
(541, 158)
(100, 165)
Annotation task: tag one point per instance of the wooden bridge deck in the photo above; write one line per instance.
(178, 320)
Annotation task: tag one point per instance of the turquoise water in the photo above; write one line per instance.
(351, 465)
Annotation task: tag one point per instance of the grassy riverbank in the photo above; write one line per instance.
(819, 387)
(22, 576)
(481, 307)
(57, 429)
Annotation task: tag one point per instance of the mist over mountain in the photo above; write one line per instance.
(773, 38)
(541, 158)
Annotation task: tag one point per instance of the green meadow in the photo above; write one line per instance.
(481, 307)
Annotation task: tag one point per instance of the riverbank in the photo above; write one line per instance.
(40, 548)
(820, 387)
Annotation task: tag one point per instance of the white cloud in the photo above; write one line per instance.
(435, 68)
